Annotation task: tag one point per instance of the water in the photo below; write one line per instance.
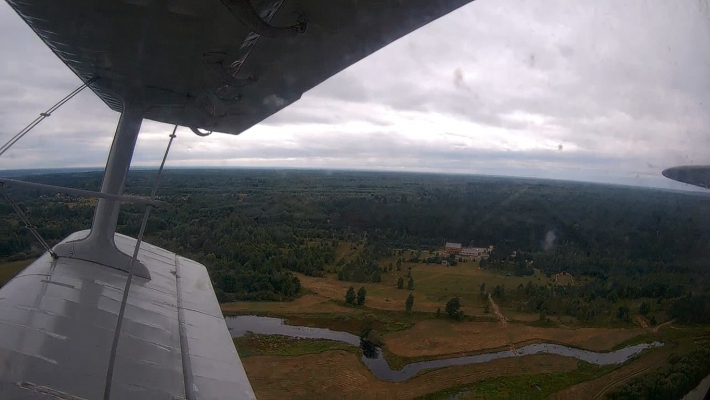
(239, 326)
(377, 364)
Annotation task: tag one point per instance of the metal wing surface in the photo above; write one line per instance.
(697, 175)
(58, 319)
(220, 65)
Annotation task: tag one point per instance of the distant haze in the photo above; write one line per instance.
(602, 91)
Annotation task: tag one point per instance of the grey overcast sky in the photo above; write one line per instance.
(604, 90)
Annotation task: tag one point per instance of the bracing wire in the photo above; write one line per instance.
(42, 116)
(28, 225)
(19, 136)
(126, 289)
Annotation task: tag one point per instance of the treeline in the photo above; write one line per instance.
(691, 309)
(597, 299)
(672, 382)
(253, 228)
(361, 269)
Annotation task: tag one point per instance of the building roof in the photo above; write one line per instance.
(453, 245)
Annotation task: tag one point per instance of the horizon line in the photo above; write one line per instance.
(684, 189)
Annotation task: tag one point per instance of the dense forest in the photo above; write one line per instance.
(253, 228)
(670, 382)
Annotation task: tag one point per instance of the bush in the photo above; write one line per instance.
(453, 309)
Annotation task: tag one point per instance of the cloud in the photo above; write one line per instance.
(602, 91)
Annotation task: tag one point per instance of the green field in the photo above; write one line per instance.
(439, 283)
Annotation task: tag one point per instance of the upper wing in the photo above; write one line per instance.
(218, 64)
(697, 175)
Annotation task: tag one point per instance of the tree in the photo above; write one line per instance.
(350, 296)
(453, 308)
(410, 284)
(400, 283)
(645, 308)
(613, 297)
(409, 303)
(361, 296)
(367, 326)
(228, 283)
(623, 313)
(376, 277)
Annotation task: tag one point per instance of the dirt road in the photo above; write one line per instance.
(503, 320)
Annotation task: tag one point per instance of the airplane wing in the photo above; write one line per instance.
(219, 65)
(201, 64)
(57, 322)
(696, 175)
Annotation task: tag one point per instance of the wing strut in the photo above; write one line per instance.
(126, 289)
(99, 246)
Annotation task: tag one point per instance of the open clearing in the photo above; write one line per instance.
(434, 285)
(381, 296)
(440, 283)
(439, 337)
(309, 303)
(279, 377)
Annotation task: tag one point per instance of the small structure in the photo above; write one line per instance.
(473, 251)
(452, 248)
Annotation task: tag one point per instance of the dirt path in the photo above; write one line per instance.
(657, 327)
(597, 388)
(627, 378)
(641, 321)
(503, 320)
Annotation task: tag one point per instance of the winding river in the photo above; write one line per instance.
(377, 364)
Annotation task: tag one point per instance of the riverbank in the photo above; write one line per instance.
(262, 336)
(414, 342)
